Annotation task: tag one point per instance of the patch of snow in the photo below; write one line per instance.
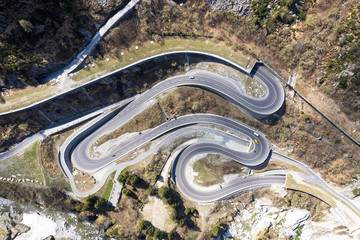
(261, 215)
(325, 229)
(279, 190)
(41, 227)
(295, 217)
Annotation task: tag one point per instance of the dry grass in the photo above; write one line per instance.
(212, 169)
(26, 163)
(27, 96)
(105, 191)
(166, 45)
(83, 180)
(49, 158)
(316, 191)
(187, 100)
(150, 118)
(132, 155)
(127, 212)
(154, 208)
(321, 193)
(272, 165)
(126, 217)
(278, 165)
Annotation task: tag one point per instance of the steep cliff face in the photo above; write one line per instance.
(34, 33)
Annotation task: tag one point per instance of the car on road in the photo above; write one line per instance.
(256, 141)
(256, 134)
(191, 77)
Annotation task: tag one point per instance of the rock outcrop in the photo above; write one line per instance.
(240, 7)
(10, 228)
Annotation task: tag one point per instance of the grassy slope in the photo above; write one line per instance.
(147, 49)
(109, 186)
(212, 169)
(26, 163)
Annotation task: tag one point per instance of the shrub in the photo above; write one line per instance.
(189, 211)
(164, 192)
(356, 80)
(123, 176)
(171, 234)
(151, 191)
(215, 231)
(126, 192)
(356, 191)
(143, 224)
(133, 180)
(79, 207)
(156, 176)
(159, 234)
(150, 231)
(181, 222)
(91, 199)
(86, 216)
(88, 204)
(343, 82)
(101, 202)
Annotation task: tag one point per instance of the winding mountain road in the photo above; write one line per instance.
(75, 152)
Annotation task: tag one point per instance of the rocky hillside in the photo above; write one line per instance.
(38, 36)
(240, 7)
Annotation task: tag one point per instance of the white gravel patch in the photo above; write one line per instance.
(236, 146)
(229, 177)
(230, 142)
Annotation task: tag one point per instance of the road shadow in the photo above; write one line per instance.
(264, 164)
(274, 118)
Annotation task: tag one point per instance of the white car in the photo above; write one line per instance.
(191, 77)
(256, 134)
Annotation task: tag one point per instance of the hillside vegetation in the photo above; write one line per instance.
(318, 40)
(37, 36)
